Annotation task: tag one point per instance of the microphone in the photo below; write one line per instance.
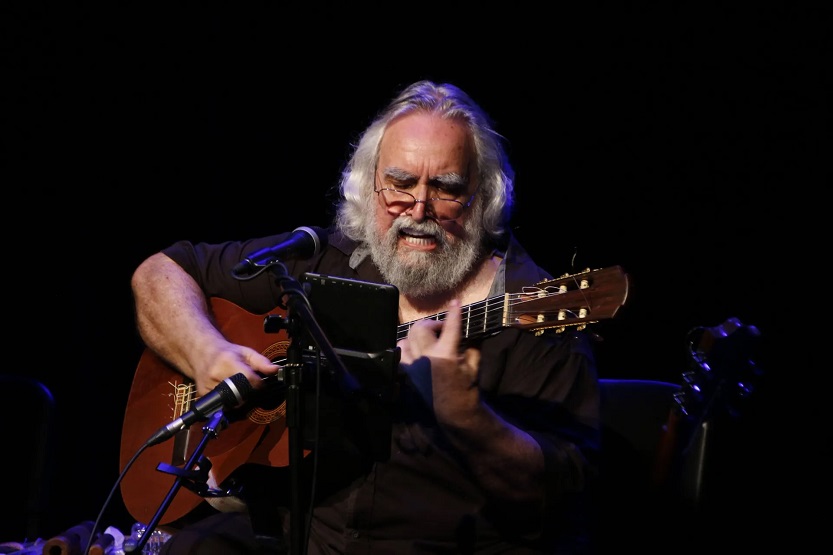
(304, 242)
(230, 393)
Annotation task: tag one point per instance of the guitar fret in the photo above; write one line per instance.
(481, 321)
(493, 319)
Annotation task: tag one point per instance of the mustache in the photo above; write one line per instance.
(427, 227)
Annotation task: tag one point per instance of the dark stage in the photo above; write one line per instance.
(684, 145)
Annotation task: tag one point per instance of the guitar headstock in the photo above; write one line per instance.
(572, 300)
(723, 370)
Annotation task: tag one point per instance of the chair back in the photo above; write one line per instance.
(27, 411)
(666, 445)
(643, 466)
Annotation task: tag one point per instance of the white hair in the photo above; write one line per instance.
(496, 176)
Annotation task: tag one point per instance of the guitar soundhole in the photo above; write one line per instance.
(276, 350)
(263, 416)
(273, 405)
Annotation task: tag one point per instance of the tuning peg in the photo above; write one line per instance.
(680, 398)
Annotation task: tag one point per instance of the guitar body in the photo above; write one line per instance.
(160, 394)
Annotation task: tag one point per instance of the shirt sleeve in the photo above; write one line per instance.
(211, 265)
(547, 386)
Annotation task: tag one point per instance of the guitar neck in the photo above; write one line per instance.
(568, 301)
(478, 319)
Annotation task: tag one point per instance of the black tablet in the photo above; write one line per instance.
(359, 318)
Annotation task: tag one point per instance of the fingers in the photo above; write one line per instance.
(259, 363)
(235, 359)
(450, 335)
(426, 327)
(257, 367)
(434, 337)
(471, 358)
(471, 365)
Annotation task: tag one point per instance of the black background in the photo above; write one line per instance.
(684, 144)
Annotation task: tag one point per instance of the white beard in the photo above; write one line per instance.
(423, 274)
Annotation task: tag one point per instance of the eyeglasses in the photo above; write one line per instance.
(441, 209)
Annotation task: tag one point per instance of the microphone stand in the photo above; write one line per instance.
(299, 315)
(197, 479)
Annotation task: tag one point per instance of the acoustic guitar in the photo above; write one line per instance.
(256, 432)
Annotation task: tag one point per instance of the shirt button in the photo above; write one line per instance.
(355, 534)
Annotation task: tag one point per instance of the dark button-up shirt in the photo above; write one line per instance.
(423, 498)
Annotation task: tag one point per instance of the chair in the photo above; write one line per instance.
(651, 469)
(27, 412)
(666, 478)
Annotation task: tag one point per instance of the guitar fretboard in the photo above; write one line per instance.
(479, 319)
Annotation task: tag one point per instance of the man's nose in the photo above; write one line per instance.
(418, 210)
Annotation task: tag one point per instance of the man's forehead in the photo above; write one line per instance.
(418, 139)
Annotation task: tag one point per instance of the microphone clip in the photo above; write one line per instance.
(194, 476)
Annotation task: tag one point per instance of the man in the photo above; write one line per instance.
(491, 451)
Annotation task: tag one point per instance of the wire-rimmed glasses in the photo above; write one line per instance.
(440, 209)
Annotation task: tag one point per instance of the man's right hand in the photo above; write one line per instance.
(230, 359)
